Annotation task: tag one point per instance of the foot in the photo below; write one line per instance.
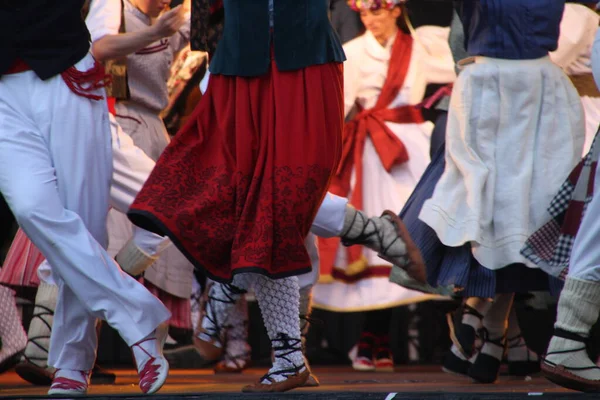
(521, 360)
(312, 381)
(388, 236)
(364, 356)
(9, 358)
(383, 358)
(34, 374)
(69, 382)
(238, 352)
(233, 364)
(455, 363)
(400, 277)
(280, 381)
(486, 367)
(152, 366)
(567, 363)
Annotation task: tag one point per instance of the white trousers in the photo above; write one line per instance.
(55, 174)
(585, 256)
(131, 168)
(329, 221)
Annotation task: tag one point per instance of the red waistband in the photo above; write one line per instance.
(18, 66)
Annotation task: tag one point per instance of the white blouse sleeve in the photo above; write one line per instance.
(435, 57)
(577, 30)
(104, 18)
(351, 74)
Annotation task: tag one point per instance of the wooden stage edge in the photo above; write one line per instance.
(336, 383)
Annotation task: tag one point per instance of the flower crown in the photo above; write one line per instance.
(358, 5)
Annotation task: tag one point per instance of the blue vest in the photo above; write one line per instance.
(302, 35)
(511, 29)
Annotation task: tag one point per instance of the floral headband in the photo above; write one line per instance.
(358, 5)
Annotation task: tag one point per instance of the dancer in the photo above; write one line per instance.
(253, 186)
(565, 246)
(55, 177)
(461, 249)
(385, 151)
(131, 168)
(247, 226)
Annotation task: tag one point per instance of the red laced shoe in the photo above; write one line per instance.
(154, 372)
(383, 359)
(364, 356)
(67, 386)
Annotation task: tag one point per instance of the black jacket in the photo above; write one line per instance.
(49, 35)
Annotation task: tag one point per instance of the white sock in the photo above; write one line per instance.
(578, 309)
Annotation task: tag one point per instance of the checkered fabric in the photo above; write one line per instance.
(550, 246)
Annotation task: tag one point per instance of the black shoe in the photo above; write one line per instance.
(486, 368)
(522, 367)
(455, 365)
(10, 361)
(464, 336)
(33, 374)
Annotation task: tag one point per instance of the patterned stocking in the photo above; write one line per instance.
(12, 333)
(279, 302)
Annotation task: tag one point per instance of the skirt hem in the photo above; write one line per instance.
(152, 223)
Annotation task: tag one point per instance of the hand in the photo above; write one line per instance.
(170, 22)
(187, 5)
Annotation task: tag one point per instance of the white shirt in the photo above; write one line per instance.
(366, 68)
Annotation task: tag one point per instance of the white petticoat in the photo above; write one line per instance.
(515, 130)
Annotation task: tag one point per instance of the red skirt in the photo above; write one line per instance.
(238, 187)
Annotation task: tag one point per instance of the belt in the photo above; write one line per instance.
(17, 66)
(585, 85)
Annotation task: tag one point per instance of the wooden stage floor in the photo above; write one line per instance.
(336, 383)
